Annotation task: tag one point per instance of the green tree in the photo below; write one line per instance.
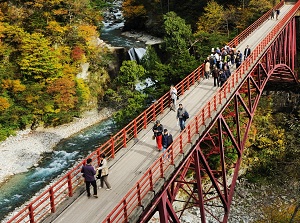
(125, 97)
(178, 39)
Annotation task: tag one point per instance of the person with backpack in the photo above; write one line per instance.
(182, 116)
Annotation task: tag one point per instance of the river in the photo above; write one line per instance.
(20, 188)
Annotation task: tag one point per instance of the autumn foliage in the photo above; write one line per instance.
(43, 45)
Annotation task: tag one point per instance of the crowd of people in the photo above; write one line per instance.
(218, 66)
(220, 61)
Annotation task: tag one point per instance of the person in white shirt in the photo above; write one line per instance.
(173, 94)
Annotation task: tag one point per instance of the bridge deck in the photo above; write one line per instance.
(132, 162)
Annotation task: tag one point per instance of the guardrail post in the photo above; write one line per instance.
(189, 133)
(139, 193)
(125, 211)
(52, 203)
(161, 106)
(70, 185)
(31, 214)
(145, 120)
(112, 142)
(171, 150)
(197, 124)
(124, 138)
(180, 143)
(150, 179)
(98, 156)
(182, 89)
(135, 129)
(194, 77)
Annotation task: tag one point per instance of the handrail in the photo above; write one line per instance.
(65, 187)
(156, 171)
(243, 35)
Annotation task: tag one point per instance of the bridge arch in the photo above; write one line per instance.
(219, 151)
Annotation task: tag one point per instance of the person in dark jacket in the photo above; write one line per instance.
(215, 74)
(247, 52)
(89, 176)
(222, 77)
(180, 116)
(167, 140)
(158, 131)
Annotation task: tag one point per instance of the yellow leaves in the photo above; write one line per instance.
(32, 98)
(213, 18)
(55, 26)
(83, 89)
(87, 32)
(260, 6)
(60, 12)
(13, 85)
(4, 104)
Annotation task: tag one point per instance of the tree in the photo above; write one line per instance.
(125, 97)
(213, 19)
(178, 39)
(38, 61)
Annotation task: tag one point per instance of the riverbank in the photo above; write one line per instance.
(143, 37)
(23, 151)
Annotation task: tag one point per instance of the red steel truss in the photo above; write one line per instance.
(217, 151)
(214, 161)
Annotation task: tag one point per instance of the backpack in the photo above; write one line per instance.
(186, 115)
(223, 77)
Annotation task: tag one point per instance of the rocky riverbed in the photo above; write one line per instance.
(25, 149)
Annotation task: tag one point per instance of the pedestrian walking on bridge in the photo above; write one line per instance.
(174, 97)
(103, 172)
(182, 116)
(158, 131)
(89, 172)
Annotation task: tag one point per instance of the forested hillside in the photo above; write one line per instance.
(44, 46)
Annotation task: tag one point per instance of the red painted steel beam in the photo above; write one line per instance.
(242, 106)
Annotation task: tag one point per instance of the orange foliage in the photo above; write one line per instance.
(77, 53)
(131, 9)
(64, 92)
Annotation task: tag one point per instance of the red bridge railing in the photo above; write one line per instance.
(156, 171)
(65, 187)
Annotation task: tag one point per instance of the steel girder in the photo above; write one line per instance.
(206, 179)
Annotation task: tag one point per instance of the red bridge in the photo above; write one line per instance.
(210, 149)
